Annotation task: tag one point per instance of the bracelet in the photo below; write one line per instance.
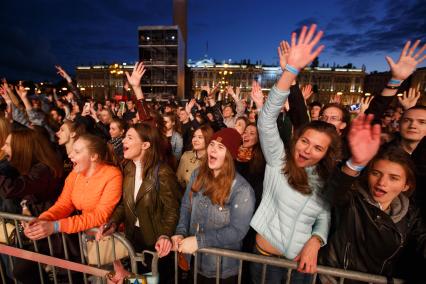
(353, 167)
(319, 239)
(291, 69)
(394, 82)
(392, 87)
(56, 227)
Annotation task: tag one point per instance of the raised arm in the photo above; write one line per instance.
(407, 63)
(300, 54)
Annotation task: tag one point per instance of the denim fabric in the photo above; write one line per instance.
(217, 226)
(177, 145)
(277, 274)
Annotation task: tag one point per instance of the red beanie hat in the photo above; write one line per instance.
(230, 138)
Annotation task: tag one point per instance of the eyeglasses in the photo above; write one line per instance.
(330, 118)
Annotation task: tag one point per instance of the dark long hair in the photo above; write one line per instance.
(396, 155)
(296, 176)
(148, 133)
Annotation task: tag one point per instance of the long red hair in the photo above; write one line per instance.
(216, 188)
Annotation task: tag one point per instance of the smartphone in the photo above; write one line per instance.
(355, 107)
(87, 106)
(122, 106)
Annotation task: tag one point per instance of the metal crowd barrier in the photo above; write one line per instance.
(279, 262)
(134, 257)
(20, 252)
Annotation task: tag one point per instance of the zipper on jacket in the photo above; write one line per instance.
(346, 256)
(395, 252)
(294, 223)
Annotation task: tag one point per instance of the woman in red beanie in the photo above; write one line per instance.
(216, 209)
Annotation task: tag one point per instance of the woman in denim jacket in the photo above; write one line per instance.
(216, 209)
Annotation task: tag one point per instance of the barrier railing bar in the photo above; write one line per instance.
(17, 233)
(342, 280)
(50, 260)
(314, 278)
(3, 278)
(40, 269)
(195, 268)
(128, 245)
(176, 268)
(113, 247)
(263, 274)
(289, 271)
(217, 269)
(49, 241)
(279, 262)
(240, 271)
(98, 253)
(80, 243)
(64, 243)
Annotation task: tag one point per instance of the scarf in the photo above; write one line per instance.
(244, 154)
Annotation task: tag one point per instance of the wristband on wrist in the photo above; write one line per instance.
(353, 167)
(394, 82)
(291, 69)
(56, 227)
(319, 239)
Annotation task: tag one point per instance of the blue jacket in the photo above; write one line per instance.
(286, 218)
(177, 145)
(217, 226)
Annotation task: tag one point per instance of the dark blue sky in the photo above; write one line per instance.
(38, 34)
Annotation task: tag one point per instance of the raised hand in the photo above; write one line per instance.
(283, 52)
(407, 61)
(409, 100)
(20, 90)
(364, 139)
(63, 73)
(307, 92)
(137, 74)
(230, 90)
(365, 103)
(256, 94)
(301, 51)
(189, 105)
(335, 99)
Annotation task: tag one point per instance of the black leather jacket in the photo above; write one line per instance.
(365, 238)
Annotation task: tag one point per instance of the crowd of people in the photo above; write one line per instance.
(281, 177)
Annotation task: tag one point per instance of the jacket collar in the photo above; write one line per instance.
(398, 207)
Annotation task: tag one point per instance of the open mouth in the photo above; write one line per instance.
(302, 158)
(212, 159)
(377, 192)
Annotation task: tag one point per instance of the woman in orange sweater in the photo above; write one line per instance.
(93, 187)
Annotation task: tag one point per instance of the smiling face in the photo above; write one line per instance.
(310, 148)
(133, 146)
(334, 115)
(198, 142)
(250, 137)
(216, 153)
(63, 134)
(114, 130)
(386, 180)
(227, 112)
(413, 125)
(81, 157)
(168, 124)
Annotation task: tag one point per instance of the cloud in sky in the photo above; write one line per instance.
(38, 34)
